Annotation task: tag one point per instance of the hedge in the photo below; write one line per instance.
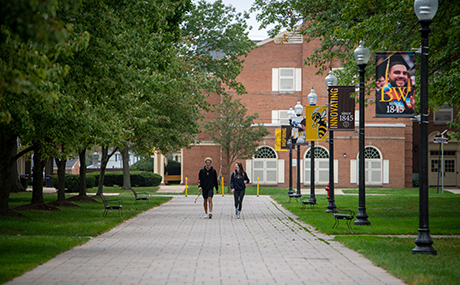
(138, 179)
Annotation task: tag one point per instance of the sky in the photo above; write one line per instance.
(245, 5)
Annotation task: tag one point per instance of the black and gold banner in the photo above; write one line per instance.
(341, 111)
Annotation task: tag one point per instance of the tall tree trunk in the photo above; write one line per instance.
(61, 178)
(16, 185)
(82, 155)
(39, 165)
(8, 144)
(126, 175)
(104, 160)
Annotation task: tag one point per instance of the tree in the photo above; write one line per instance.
(219, 43)
(235, 131)
(384, 26)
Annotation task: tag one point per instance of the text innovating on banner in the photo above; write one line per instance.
(341, 115)
(395, 82)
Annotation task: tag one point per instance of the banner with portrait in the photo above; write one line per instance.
(341, 111)
(395, 82)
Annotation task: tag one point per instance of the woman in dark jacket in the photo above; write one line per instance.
(237, 183)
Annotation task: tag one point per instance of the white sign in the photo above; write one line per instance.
(442, 140)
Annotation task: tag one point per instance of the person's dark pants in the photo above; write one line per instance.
(238, 195)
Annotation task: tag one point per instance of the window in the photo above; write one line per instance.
(265, 166)
(286, 80)
(321, 166)
(443, 116)
(279, 117)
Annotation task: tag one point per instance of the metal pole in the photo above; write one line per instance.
(331, 207)
(298, 194)
(312, 200)
(361, 216)
(291, 191)
(439, 168)
(424, 240)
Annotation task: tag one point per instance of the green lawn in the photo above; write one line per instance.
(40, 236)
(27, 242)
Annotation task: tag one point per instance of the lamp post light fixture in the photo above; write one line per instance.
(312, 99)
(290, 115)
(331, 80)
(362, 55)
(425, 11)
(298, 109)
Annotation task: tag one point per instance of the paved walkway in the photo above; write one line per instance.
(174, 244)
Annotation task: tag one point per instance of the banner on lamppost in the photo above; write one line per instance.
(341, 111)
(395, 82)
(315, 123)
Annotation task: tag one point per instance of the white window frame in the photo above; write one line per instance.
(443, 109)
(296, 79)
(280, 117)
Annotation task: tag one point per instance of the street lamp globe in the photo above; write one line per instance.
(290, 113)
(312, 97)
(425, 9)
(331, 79)
(298, 109)
(362, 54)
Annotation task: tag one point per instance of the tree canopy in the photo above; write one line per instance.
(384, 26)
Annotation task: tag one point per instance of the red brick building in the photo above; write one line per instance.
(276, 78)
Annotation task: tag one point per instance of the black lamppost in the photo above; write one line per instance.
(331, 80)
(312, 99)
(290, 115)
(298, 109)
(425, 10)
(362, 55)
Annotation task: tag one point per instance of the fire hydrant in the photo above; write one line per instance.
(327, 190)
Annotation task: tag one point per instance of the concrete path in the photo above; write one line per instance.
(174, 244)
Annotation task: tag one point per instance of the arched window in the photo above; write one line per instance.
(320, 152)
(265, 166)
(371, 152)
(321, 166)
(265, 152)
(373, 166)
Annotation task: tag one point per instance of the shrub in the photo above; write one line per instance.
(143, 165)
(72, 182)
(145, 178)
(173, 167)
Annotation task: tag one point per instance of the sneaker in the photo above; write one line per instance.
(206, 216)
(210, 215)
(238, 215)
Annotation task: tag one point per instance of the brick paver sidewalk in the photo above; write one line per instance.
(173, 244)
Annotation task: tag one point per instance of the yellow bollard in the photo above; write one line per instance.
(257, 186)
(185, 186)
(223, 188)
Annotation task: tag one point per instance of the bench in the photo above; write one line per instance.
(168, 178)
(306, 202)
(144, 197)
(343, 214)
(115, 204)
(294, 195)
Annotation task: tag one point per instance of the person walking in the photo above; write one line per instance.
(238, 185)
(207, 179)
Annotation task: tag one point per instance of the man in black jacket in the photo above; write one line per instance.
(207, 179)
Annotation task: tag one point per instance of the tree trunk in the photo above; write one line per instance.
(61, 178)
(82, 155)
(8, 144)
(16, 185)
(104, 160)
(37, 188)
(126, 175)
